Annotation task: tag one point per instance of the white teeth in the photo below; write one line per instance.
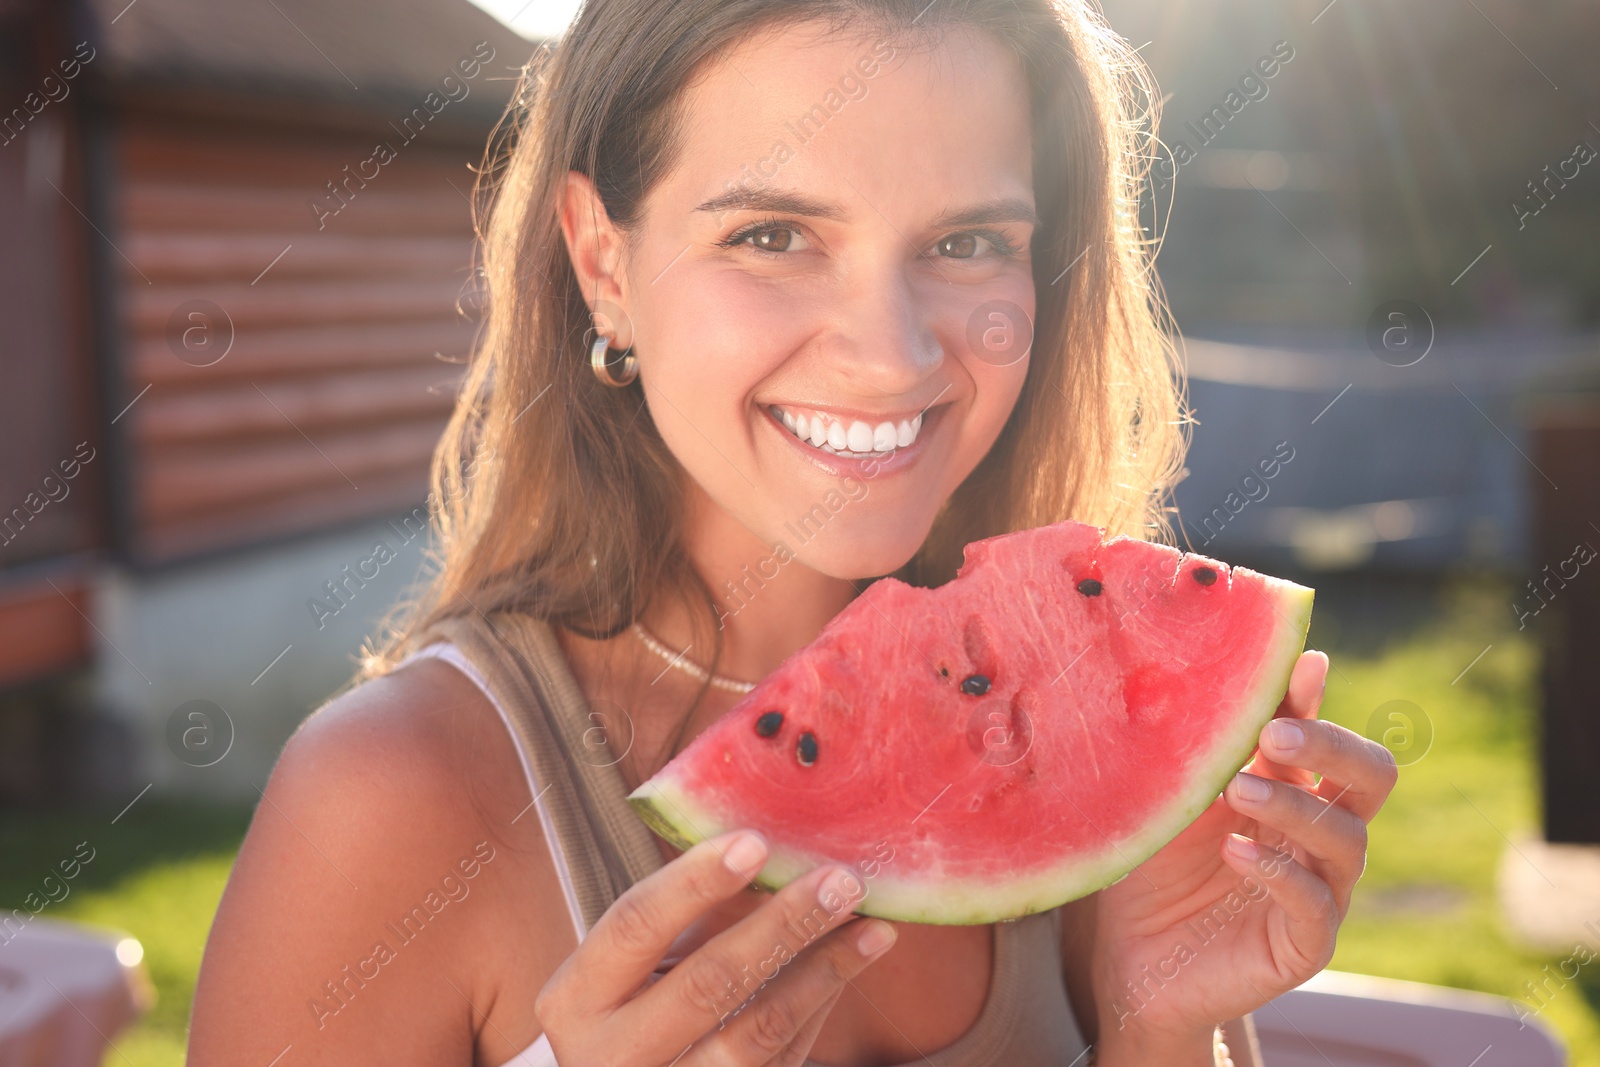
(859, 437)
(819, 432)
(831, 435)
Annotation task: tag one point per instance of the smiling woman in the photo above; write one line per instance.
(938, 310)
(999, 166)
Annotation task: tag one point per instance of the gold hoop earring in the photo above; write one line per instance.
(597, 360)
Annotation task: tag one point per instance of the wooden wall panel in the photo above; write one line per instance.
(300, 363)
(52, 459)
(43, 623)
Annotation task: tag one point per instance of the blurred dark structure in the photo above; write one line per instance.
(1394, 468)
(47, 527)
(1566, 446)
(235, 280)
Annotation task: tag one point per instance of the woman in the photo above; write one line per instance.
(742, 253)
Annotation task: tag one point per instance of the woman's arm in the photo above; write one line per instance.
(365, 918)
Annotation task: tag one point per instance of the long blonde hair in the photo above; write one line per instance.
(555, 495)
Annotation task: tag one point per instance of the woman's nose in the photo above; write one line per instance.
(887, 343)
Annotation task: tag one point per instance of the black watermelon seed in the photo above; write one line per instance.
(1204, 575)
(768, 724)
(1089, 587)
(806, 750)
(975, 685)
(945, 671)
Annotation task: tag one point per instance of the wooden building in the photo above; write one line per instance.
(235, 251)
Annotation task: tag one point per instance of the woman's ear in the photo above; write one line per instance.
(595, 246)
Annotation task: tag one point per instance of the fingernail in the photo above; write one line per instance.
(1243, 848)
(1251, 788)
(876, 938)
(838, 890)
(1286, 734)
(745, 855)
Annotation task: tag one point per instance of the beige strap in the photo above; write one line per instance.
(568, 744)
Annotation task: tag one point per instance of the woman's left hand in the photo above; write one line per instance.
(1246, 902)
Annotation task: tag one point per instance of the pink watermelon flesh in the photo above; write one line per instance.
(1113, 716)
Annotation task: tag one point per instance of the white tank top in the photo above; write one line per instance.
(538, 1054)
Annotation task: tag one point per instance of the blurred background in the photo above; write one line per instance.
(235, 295)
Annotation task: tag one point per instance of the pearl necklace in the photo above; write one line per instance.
(694, 670)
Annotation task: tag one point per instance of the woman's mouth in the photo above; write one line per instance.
(851, 438)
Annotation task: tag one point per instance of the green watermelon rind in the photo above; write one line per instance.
(669, 811)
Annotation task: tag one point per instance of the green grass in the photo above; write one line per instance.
(1425, 911)
(157, 874)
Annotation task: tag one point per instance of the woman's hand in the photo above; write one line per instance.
(1246, 902)
(606, 1003)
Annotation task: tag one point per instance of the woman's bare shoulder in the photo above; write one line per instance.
(388, 869)
(420, 734)
(407, 764)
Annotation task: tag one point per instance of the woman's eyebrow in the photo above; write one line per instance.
(776, 202)
(1004, 209)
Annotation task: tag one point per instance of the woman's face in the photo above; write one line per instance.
(831, 298)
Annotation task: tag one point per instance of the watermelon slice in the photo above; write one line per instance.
(1017, 738)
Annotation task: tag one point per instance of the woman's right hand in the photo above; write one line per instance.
(605, 1004)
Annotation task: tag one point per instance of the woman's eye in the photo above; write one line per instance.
(971, 245)
(775, 239)
(959, 245)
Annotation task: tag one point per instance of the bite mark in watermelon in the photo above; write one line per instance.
(1019, 737)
